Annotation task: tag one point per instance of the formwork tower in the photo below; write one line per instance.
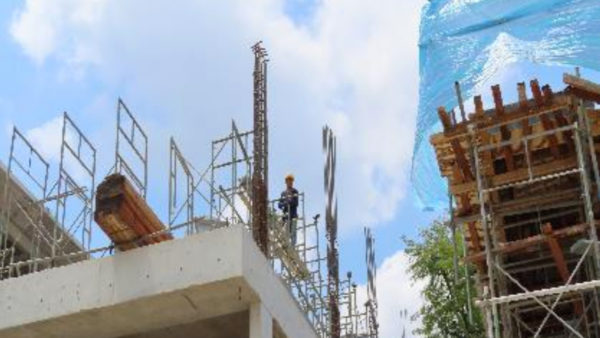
(260, 198)
(525, 180)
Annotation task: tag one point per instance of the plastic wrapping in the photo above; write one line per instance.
(471, 40)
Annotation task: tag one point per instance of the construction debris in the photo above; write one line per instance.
(125, 216)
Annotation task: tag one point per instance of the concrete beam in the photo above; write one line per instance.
(261, 322)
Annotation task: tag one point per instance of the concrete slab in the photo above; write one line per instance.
(157, 287)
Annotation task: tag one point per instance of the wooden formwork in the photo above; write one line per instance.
(525, 155)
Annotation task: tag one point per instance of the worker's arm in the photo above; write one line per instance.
(282, 201)
(294, 201)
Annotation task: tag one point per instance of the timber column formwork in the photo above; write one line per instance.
(525, 180)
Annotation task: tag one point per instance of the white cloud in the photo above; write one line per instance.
(42, 26)
(398, 296)
(47, 138)
(355, 66)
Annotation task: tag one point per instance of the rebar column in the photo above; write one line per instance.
(260, 198)
(333, 281)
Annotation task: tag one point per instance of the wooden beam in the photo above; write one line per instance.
(583, 88)
(546, 122)
(536, 92)
(459, 153)
(523, 244)
(522, 92)
(497, 95)
(479, 112)
(504, 131)
(559, 259)
(520, 174)
(125, 216)
(474, 236)
(474, 239)
(445, 119)
(556, 251)
(548, 95)
(561, 120)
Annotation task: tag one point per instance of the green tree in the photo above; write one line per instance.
(446, 309)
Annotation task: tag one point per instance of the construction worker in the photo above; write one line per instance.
(288, 203)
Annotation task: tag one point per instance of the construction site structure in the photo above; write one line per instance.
(222, 263)
(525, 181)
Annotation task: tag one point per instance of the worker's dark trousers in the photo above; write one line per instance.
(291, 229)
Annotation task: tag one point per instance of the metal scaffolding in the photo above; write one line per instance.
(74, 189)
(178, 165)
(230, 177)
(131, 156)
(30, 211)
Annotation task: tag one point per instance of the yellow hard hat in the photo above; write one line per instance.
(289, 177)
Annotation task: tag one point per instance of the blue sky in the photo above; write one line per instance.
(185, 71)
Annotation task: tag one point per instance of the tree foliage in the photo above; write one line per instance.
(445, 312)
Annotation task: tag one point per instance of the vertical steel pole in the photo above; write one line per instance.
(486, 234)
(589, 211)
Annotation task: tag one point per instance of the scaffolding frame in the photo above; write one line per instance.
(301, 266)
(82, 154)
(177, 162)
(35, 222)
(239, 168)
(130, 136)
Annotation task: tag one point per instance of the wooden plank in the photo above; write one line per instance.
(523, 244)
(520, 174)
(583, 88)
(125, 216)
